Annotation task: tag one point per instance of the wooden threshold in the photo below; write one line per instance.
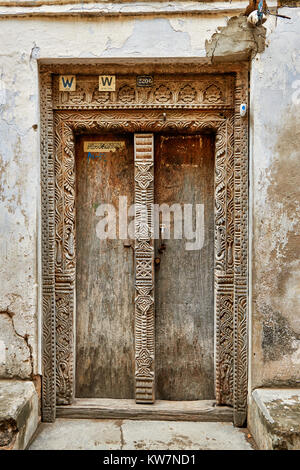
(104, 408)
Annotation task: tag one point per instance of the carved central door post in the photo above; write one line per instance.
(144, 269)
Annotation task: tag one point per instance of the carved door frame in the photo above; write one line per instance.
(60, 122)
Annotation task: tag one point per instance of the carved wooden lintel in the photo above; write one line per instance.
(211, 92)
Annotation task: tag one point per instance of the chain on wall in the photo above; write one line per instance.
(144, 268)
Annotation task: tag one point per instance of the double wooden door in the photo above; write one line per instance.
(182, 265)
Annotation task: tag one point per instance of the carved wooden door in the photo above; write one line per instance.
(105, 269)
(184, 294)
(180, 101)
(133, 340)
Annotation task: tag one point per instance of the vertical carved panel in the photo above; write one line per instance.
(204, 91)
(224, 234)
(47, 235)
(144, 268)
(64, 260)
(240, 253)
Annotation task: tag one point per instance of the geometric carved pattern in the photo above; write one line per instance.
(240, 349)
(144, 269)
(212, 94)
(189, 112)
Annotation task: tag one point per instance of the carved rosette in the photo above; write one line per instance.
(144, 269)
(194, 91)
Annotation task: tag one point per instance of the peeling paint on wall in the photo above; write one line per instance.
(274, 132)
(275, 126)
(236, 41)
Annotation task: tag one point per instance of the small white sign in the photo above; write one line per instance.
(107, 83)
(67, 83)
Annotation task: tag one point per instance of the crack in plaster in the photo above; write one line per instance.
(122, 436)
(25, 338)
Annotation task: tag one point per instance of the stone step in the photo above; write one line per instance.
(274, 418)
(19, 415)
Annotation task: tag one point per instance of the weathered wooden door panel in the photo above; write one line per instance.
(184, 294)
(105, 274)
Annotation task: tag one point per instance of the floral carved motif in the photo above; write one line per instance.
(101, 97)
(187, 94)
(126, 94)
(212, 94)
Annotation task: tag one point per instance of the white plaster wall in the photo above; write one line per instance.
(23, 42)
(275, 207)
(274, 130)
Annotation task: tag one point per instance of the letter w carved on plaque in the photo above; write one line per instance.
(144, 268)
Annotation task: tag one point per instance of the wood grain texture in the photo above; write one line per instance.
(203, 410)
(184, 292)
(105, 277)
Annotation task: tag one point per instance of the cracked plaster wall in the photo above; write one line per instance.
(273, 156)
(25, 41)
(275, 207)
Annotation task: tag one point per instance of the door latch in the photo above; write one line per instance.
(162, 233)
